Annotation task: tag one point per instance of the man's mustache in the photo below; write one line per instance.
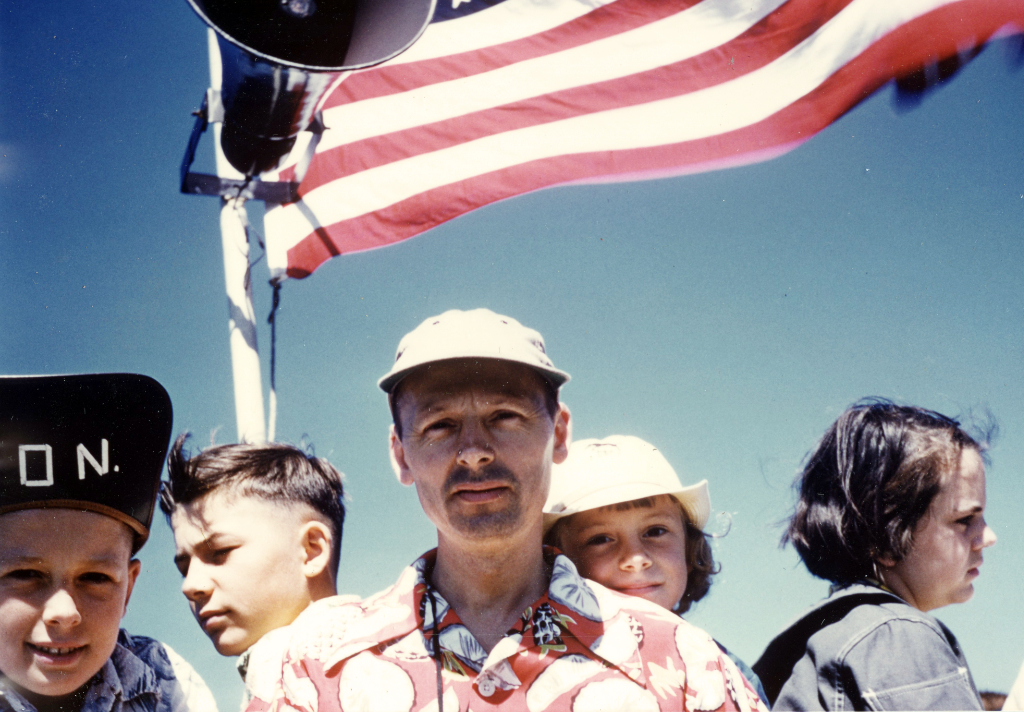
(493, 473)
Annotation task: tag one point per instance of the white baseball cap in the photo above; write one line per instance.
(479, 333)
(619, 468)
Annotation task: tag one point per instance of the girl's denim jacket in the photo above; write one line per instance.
(863, 648)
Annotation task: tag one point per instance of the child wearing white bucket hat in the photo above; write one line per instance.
(618, 510)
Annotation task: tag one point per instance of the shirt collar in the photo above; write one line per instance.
(268, 649)
(242, 664)
(571, 607)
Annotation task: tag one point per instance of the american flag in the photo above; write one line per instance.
(503, 97)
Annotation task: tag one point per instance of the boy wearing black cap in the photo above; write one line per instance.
(80, 461)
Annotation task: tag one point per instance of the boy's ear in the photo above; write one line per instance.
(134, 567)
(396, 453)
(316, 540)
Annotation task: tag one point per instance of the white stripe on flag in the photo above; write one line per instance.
(505, 22)
(673, 39)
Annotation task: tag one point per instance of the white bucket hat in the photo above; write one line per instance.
(479, 333)
(619, 468)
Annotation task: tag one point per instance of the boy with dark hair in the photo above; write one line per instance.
(80, 461)
(257, 531)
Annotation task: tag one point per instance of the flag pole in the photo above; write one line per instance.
(245, 357)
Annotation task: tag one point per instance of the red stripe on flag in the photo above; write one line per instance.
(934, 36)
(605, 21)
(760, 45)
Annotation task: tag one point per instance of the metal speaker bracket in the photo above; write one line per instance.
(212, 111)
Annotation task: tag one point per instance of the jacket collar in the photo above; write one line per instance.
(857, 588)
(10, 699)
(123, 676)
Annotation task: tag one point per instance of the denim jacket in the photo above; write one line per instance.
(866, 649)
(142, 675)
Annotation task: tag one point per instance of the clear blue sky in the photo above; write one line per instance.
(727, 317)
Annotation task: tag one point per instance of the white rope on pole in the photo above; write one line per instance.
(273, 415)
(272, 320)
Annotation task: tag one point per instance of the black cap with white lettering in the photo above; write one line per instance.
(92, 441)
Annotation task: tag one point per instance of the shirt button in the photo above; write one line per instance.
(485, 685)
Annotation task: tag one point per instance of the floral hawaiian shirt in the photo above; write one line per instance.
(580, 647)
(260, 664)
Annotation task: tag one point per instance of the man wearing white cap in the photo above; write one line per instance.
(490, 617)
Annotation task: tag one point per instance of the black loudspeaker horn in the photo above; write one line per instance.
(279, 57)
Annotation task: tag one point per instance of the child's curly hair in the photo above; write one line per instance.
(700, 564)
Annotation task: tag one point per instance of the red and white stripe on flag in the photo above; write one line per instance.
(524, 95)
